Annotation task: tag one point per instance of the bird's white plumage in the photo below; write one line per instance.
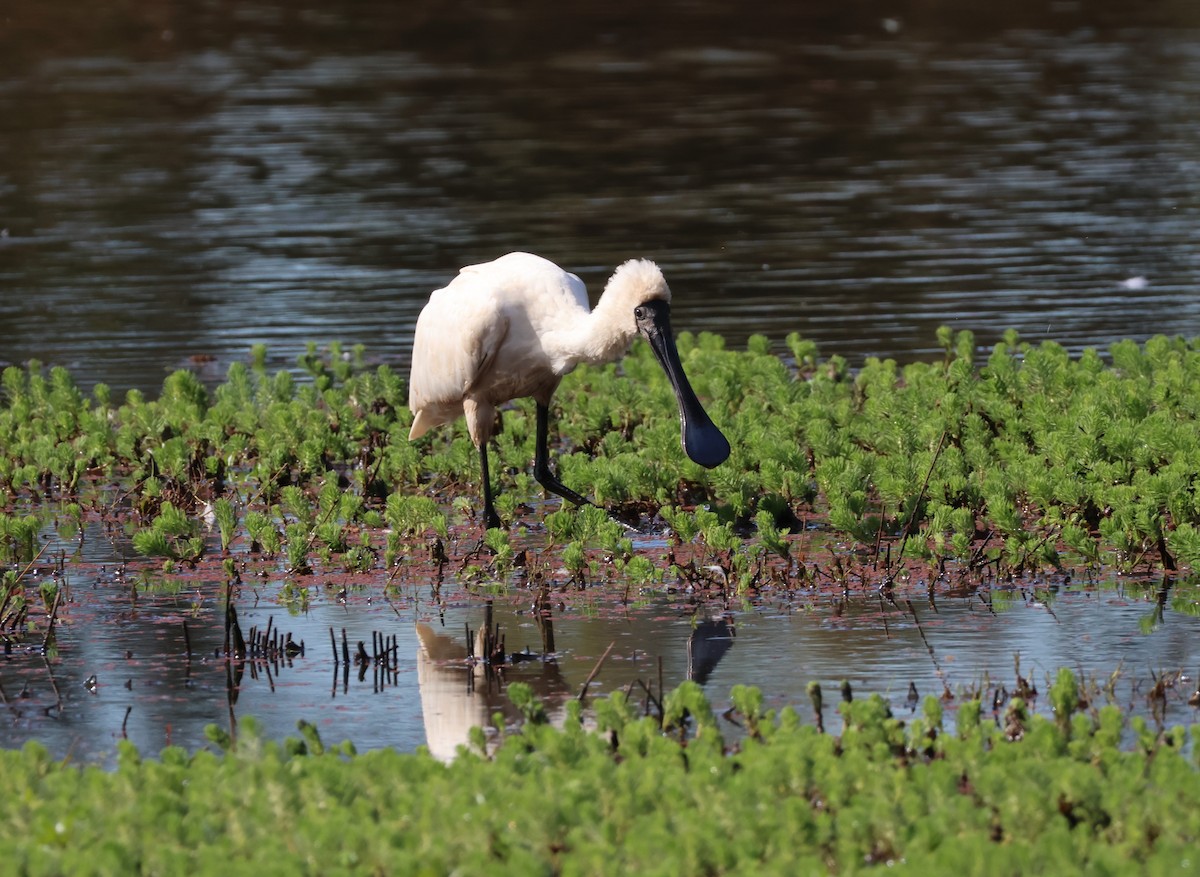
(511, 328)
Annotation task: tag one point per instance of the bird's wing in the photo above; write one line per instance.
(459, 334)
(576, 289)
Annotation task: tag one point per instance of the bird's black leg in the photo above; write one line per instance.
(541, 462)
(490, 518)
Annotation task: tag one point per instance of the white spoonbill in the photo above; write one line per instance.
(514, 327)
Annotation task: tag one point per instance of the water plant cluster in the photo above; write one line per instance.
(1026, 460)
(666, 795)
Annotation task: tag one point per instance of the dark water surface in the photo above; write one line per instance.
(179, 182)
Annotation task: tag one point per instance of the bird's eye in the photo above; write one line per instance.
(639, 313)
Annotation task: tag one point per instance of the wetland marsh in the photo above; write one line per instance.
(960, 528)
(956, 567)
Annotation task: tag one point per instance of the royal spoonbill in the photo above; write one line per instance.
(514, 327)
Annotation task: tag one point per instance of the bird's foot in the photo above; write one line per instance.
(491, 519)
(550, 482)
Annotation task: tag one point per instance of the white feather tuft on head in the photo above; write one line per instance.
(639, 280)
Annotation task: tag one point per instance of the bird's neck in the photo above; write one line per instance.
(595, 338)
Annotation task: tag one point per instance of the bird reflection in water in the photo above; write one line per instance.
(460, 690)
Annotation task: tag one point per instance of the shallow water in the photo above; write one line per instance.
(181, 183)
(122, 667)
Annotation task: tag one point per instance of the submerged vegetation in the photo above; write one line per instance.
(1024, 461)
(664, 795)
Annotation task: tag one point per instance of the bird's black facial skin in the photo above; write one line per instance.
(702, 441)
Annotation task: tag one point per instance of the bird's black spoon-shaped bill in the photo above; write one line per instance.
(702, 441)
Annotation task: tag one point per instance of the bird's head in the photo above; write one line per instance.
(639, 293)
(632, 285)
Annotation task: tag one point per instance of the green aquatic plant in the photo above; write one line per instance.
(560, 526)
(1012, 460)
(1064, 796)
(639, 570)
(225, 516)
(410, 515)
(360, 558)
(18, 538)
(498, 541)
(172, 534)
(298, 539)
(575, 561)
(295, 502)
(264, 534)
(682, 523)
(771, 537)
